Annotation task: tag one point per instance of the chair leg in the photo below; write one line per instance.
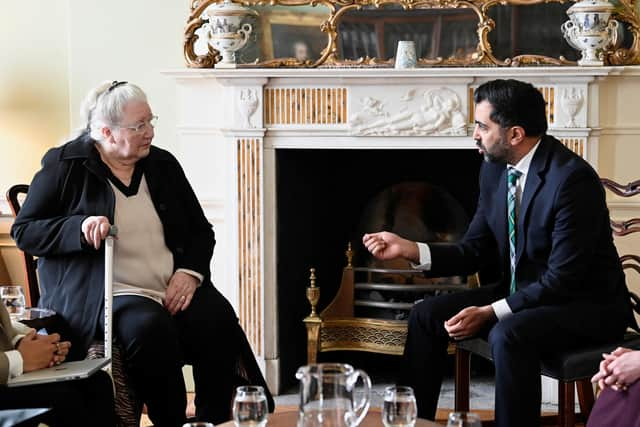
(585, 397)
(463, 370)
(566, 404)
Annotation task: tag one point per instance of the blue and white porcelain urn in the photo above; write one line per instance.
(591, 30)
(226, 31)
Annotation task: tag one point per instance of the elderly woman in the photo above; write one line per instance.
(619, 403)
(166, 311)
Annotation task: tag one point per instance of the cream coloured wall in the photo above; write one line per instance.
(132, 41)
(34, 104)
(52, 53)
(619, 152)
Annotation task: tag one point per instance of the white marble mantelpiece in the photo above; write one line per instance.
(230, 122)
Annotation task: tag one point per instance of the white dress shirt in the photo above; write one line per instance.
(500, 307)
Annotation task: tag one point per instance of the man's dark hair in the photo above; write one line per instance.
(514, 103)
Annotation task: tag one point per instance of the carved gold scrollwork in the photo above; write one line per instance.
(194, 60)
(625, 12)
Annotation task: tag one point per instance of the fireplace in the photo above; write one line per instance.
(323, 198)
(238, 128)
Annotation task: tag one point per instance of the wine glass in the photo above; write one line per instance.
(13, 299)
(250, 406)
(399, 408)
(464, 419)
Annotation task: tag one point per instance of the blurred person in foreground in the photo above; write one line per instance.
(72, 403)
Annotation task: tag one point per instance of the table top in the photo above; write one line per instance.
(39, 318)
(289, 418)
(32, 313)
(10, 417)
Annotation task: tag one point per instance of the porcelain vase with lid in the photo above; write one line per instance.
(226, 31)
(591, 30)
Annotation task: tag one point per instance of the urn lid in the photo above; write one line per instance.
(591, 6)
(228, 8)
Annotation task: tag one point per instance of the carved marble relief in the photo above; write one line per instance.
(571, 102)
(247, 105)
(434, 112)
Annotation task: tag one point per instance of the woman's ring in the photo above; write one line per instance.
(182, 297)
(57, 348)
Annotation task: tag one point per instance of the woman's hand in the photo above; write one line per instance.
(62, 350)
(615, 373)
(624, 370)
(180, 291)
(95, 229)
(385, 245)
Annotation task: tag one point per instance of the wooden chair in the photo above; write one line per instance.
(32, 291)
(572, 369)
(338, 328)
(128, 408)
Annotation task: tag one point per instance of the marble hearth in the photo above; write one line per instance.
(231, 124)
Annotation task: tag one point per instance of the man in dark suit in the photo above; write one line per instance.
(542, 213)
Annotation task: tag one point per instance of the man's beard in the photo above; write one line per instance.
(500, 153)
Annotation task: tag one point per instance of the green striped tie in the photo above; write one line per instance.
(512, 178)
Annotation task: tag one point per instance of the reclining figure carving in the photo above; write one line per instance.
(439, 114)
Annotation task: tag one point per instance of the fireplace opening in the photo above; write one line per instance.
(327, 198)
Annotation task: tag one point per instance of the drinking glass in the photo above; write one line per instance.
(399, 409)
(13, 299)
(250, 406)
(464, 419)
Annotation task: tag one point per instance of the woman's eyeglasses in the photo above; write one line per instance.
(141, 127)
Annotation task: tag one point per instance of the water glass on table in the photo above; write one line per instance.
(464, 419)
(14, 300)
(250, 406)
(399, 408)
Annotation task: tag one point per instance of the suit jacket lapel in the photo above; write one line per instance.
(535, 177)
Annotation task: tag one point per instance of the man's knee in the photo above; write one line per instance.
(427, 315)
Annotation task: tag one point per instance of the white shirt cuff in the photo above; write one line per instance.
(501, 309)
(195, 274)
(15, 363)
(425, 257)
(15, 339)
(20, 328)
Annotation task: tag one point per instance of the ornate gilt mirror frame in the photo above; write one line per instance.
(625, 12)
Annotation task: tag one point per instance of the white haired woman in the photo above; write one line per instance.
(166, 310)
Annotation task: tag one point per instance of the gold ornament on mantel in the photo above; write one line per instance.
(624, 12)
